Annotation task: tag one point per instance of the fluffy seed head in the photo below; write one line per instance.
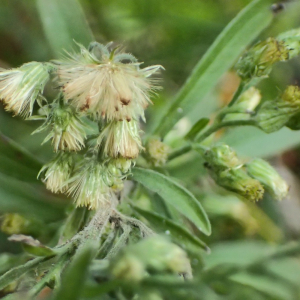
(99, 81)
(20, 87)
(57, 172)
(92, 184)
(120, 139)
(67, 131)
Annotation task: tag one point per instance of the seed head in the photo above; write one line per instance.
(57, 172)
(92, 183)
(20, 87)
(100, 82)
(120, 139)
(67, 131)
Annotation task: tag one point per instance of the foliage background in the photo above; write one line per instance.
(174, 34)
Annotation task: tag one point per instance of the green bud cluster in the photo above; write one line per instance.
(258, 61)
(273, 115)
(261, 170)
(248, 180)
(292, 40)
(157, 151)
(229, 172)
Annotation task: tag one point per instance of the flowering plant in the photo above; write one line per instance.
(128, 228)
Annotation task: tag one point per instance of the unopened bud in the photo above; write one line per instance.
(158, 151)
(258, 61)
(151, 254)
(228, 172)
(273, 115)
(292, 41)
(222, 157)
(268, 177)
(14, 224)
(244, 106)
(129, 268)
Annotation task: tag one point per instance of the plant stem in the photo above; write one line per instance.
(238, 93)
(180, 151)
(215, 127)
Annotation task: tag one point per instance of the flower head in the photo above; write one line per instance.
(67, 131)
(157, 151)
(120, 139)
(99, 81)
(273, 115)
(57, 172)
(258, 61)
(267, 175)
(20, 87)
(93, 183)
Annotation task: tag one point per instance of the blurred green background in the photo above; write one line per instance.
(174, 34)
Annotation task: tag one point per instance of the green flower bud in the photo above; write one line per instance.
(273, 115)
(244, 106)
(14, 224)
(67, 131)
(270, 179)
(228, 172)
(258, 61)
(129, 268)
(21, 87)
(292, 41)
(151, 254)
(238, 181)
(222, 157)
(157, 151)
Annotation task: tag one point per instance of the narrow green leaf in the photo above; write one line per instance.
(197, 128)
(63, 22)
(27, 200)
(179, 234)
(241, 31)
(74, 277)
(31, 245)
(250, 141)
(275, 288)
(17, 272)
(16, 161)
(176, 195)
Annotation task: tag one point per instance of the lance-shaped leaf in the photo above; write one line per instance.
(16, 161)
(179, 234)
(74, 277)
(31, 245)
(241, 31)
(63, 22)
(176, 195)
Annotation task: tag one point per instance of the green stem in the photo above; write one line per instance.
(217, 126)
(53, 273)
(238, 93)
(17, 272)
(180, 151)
